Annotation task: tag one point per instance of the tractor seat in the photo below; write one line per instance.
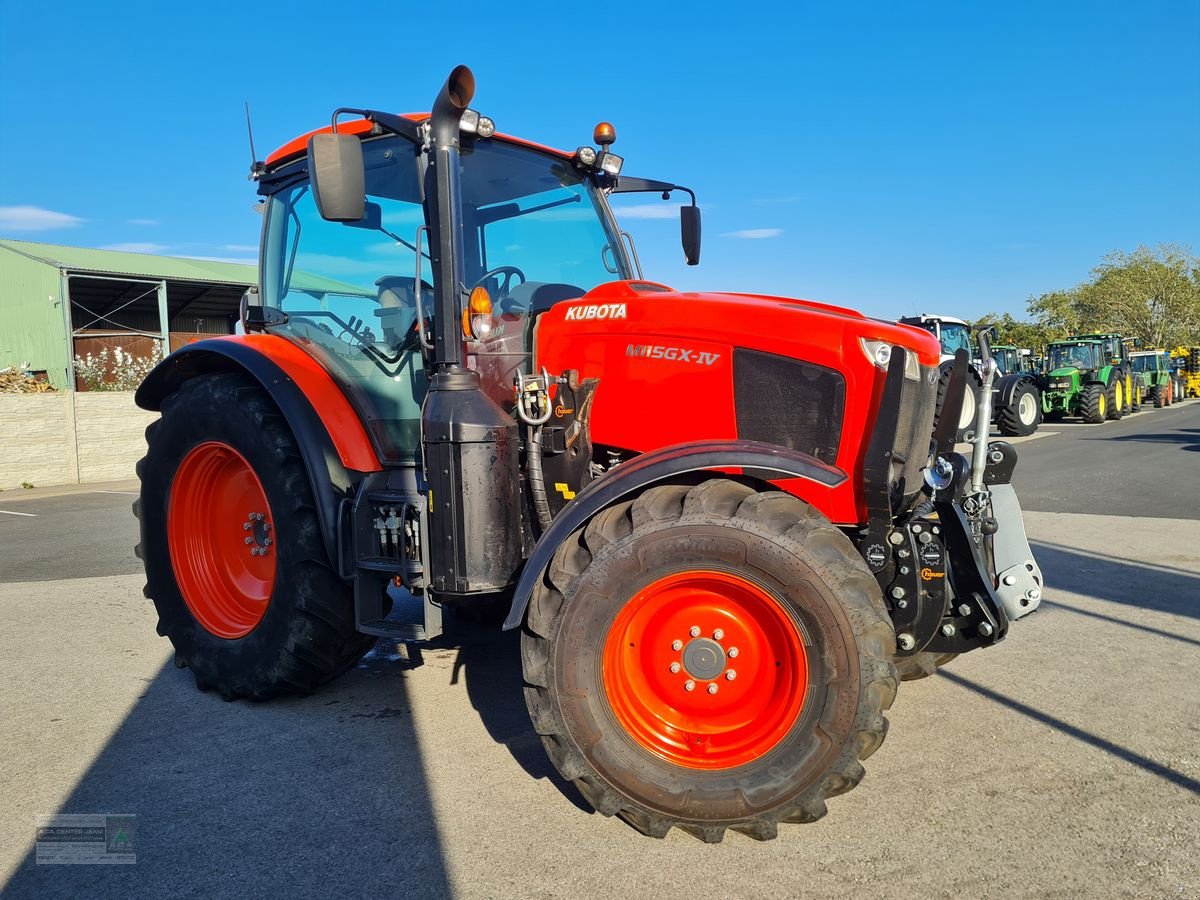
(397, 311)
(535, 297)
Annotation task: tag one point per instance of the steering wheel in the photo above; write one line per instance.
(509, 272)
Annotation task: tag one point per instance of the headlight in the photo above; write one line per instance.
(880, 353)
(611, 163)
(471, 122)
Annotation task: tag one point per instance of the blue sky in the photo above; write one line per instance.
(891, 157)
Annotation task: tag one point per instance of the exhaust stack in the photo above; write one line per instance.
(472, 446)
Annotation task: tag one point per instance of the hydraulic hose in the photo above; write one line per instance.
(537, 481)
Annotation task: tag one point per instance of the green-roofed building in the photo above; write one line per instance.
(56, 302)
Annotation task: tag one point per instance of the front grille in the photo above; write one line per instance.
(789, 402)
(914, 434)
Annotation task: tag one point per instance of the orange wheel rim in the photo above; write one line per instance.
(705, 669)
(221, 539)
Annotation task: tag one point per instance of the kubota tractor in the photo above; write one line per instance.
(723, 523)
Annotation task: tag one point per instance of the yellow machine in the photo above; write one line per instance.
(1189, 370)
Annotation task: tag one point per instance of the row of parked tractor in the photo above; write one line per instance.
(1096, 377)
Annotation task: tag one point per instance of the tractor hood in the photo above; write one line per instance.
(751, 320)
(1066, 372)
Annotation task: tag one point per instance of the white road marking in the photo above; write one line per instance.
(10, 513)
(130, 493)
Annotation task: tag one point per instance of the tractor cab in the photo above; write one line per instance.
(1114, 348)
(1066, 358)
(953, 334)
(1007, 357)
(535, 230)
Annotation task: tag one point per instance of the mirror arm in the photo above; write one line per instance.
(405, 128)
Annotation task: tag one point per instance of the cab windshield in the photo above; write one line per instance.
(535, 231)
(1147, 363)
(1006, 359)
(955, 337)
(1081, 356)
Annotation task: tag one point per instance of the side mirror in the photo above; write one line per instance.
(689, 229)
(335, 165)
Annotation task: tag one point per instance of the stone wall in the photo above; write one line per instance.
(66, 437)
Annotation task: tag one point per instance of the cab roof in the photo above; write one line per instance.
(932, 317)
(298, 147)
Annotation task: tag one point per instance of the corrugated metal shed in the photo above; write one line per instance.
(138, 265)
(52, 295)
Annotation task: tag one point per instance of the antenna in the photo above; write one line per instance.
(256, 166)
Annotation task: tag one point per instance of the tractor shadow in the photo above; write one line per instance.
(324, 795)
(489, 663)
(1141, 585)
(1187, 438)
(1173, 776)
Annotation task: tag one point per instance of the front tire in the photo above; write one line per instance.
(234, 559)
(1023, 413)
(1094, 404)
(966, 421)
(683, 586)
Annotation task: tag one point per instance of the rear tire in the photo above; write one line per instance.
(608, 625)
(1094, 404)
(1023, 413)
(248, 626)
(921, 665)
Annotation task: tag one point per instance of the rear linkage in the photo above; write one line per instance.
(956, 569)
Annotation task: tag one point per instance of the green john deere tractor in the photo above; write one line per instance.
(1124, 396)
(1080, 381)
(1152, 373)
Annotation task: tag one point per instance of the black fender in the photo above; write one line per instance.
(331, 481)
(759, 460)
(1006, 389)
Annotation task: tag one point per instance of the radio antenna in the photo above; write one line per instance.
(256, 166)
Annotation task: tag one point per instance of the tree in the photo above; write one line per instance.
(1149, 294)
(1013, 331)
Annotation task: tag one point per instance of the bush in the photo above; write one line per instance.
(119, 372)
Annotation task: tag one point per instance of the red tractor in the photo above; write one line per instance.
(722, 522)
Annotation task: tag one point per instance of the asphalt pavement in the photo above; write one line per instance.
(1062, 763)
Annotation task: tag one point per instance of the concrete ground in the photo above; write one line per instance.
(1063, 763)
